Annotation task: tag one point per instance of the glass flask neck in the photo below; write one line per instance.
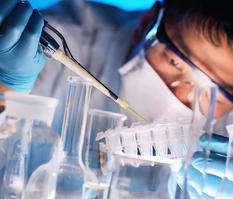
(76, 110)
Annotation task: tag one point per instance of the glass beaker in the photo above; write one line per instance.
(137, 175)
(62, 177)
(22, 110)
(98, 163)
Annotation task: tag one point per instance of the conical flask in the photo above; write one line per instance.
(70, 176)
(62, 177)
(22, 111)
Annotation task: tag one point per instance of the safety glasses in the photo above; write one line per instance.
(163, 38)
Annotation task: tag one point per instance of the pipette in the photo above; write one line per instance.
(52, 49)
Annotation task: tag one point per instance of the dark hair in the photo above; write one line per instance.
(212, 18)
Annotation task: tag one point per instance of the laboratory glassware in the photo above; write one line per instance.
(203, 120)
(139, 181)
(173, 143)
(22, 111)
(161, 142)
(4, 134)
(143, 155)
(42, 183)
(63, 176)
(98, 162)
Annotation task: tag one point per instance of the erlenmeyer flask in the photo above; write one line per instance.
(98, 164)
(43, 145)
(22, 111)
(62, 177)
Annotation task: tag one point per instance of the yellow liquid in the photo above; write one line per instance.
(126, 106)
(137, 115)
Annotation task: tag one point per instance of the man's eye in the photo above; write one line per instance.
(173, 60)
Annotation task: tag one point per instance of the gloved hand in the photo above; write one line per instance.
(21, 58)
(215, 170)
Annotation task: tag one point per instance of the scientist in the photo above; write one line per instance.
(191, 34)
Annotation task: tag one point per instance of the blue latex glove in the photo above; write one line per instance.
(21, 58)
(215, 170)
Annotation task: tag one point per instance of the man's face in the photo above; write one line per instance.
(215, 61)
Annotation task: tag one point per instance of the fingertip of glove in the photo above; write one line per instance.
(217, 143)
(25, 6)
(38, 16)
(36, 23)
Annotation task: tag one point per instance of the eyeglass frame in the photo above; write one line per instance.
(162, 37)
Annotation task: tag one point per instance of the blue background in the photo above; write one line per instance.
(128, 5)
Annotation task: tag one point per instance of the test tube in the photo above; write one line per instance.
(113, 140)
(176, 140)
(129, 142)
(160, 141)
(144, 141)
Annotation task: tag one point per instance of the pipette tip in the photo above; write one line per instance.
(126, 106)
(142, 119)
